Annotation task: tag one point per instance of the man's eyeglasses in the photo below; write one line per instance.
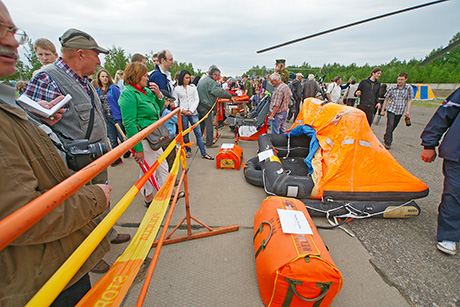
(19, 34)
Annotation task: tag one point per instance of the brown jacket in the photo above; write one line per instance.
(29, 166)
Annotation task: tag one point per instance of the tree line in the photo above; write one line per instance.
(445, 69)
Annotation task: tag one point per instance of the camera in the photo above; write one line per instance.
(80, 153)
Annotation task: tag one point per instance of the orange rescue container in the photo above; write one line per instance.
(230, 156)
(292, 269)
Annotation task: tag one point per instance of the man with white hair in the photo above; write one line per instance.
(311, 87)
(279, 104)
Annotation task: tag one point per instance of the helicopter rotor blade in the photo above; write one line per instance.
(350, 25)
(439, 53)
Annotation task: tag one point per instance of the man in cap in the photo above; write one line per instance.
(29, 166)
(84, 118)
(280, 67)
(247, 86)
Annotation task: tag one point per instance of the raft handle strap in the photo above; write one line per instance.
(292, 290)
(264, 242)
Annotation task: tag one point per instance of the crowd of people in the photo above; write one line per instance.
(35, 149)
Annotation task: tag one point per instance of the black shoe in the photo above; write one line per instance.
(127, 154)
(121, 238)
(117, 162)
(101, 267)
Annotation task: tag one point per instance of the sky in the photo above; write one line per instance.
(228, 33)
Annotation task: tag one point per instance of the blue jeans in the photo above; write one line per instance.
(193, 119)
(279, 123)
(112, 131)
(449, 208)
(206, 123)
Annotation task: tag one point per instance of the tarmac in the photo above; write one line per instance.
(388, 262)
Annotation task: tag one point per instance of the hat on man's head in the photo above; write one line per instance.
(77, 39)
(299, 75)
(167, 95)
(283, 61)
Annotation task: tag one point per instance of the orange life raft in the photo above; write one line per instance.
(292, 269)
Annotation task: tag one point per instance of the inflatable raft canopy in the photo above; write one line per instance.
(351, 163)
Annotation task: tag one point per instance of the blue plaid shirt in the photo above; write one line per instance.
(398, 98)
(42, 87)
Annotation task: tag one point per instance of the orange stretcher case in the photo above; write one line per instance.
(292, 269)
(230, 156)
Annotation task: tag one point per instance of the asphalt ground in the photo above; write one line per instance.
(403, 250)
(389, 262)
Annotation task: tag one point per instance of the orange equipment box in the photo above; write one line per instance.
(230, 156)
(292, 269)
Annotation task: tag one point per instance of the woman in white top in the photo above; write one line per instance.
(187, 99)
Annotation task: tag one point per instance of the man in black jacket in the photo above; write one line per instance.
(368, 90)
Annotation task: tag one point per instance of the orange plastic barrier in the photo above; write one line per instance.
(230, 156)
(292, 269)
(18, 222)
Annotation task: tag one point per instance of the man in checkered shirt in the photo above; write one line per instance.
(397, 99)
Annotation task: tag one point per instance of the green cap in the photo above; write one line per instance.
(77, 39)
(280, 61)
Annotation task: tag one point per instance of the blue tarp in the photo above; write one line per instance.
(314, 143)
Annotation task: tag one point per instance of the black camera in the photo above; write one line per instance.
(80, 153)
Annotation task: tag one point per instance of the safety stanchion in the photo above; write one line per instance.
(188, 218)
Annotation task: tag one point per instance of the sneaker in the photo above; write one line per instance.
(117, 162)
(448, 247)
(127, 154)
(387, 146)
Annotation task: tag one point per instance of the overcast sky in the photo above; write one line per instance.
(228, 33)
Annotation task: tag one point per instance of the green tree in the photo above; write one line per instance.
(32, 58)
(115, 60)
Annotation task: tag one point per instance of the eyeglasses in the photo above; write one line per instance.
(19, 34)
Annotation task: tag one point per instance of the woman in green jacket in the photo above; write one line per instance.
(140, 107)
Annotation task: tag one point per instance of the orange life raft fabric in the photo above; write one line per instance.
(351, 160)
(292, 269)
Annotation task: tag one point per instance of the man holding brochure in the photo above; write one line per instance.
(29, 166)
(84, 118)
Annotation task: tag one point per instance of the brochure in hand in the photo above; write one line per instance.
(36, 108)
